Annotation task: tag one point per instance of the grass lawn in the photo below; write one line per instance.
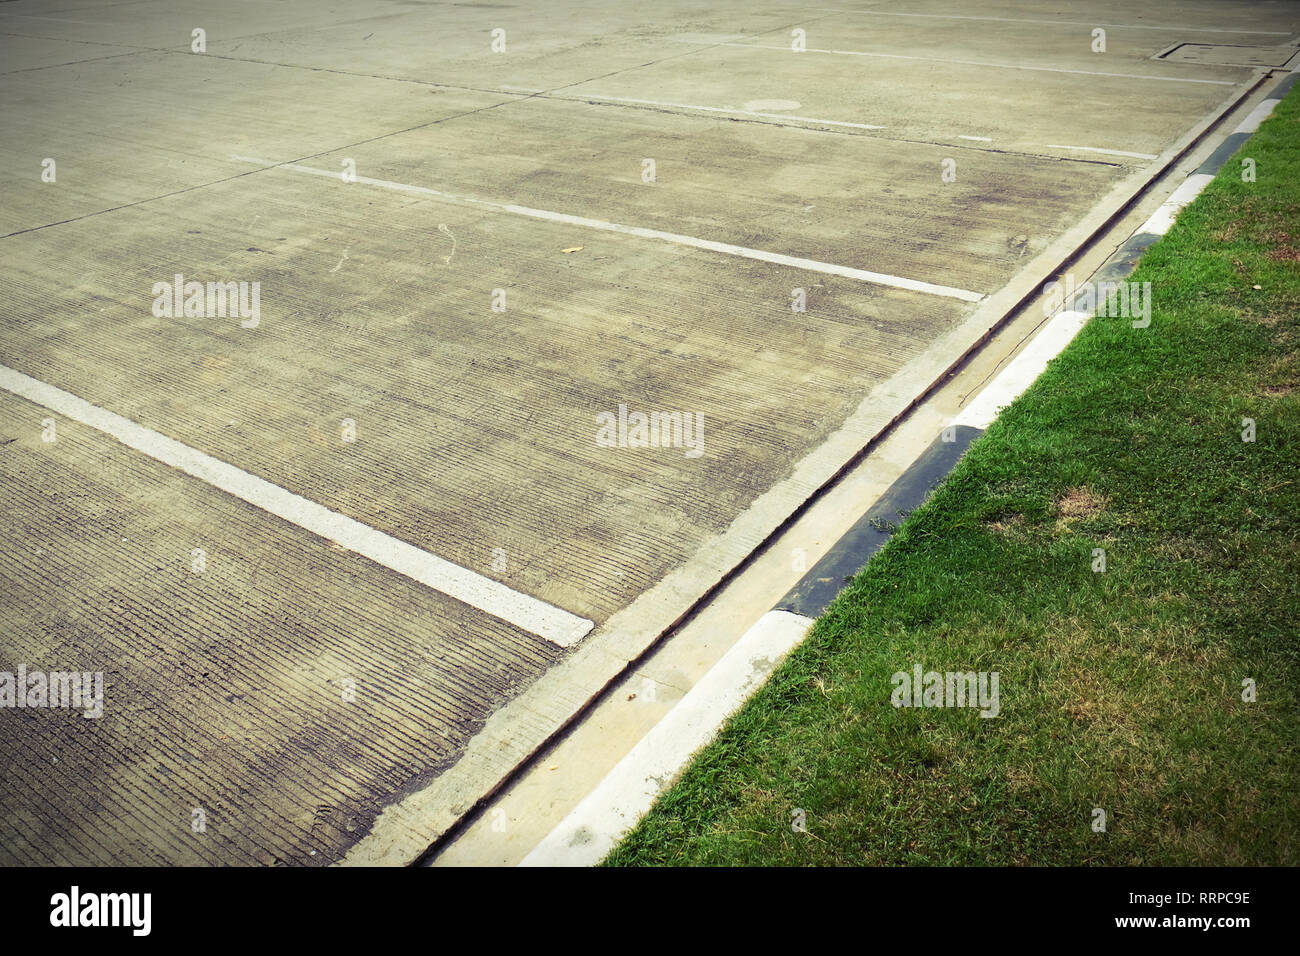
(1119, 689)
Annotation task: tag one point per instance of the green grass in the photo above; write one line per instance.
(1120, 690)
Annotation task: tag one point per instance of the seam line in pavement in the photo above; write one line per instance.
(492, 597)
(797, 262)
(1073, 23)
(999, 66)
(807, 123)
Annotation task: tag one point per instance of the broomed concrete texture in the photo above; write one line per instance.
(476, 429)
(224, 689)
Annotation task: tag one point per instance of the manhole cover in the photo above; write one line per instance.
(1214, 54)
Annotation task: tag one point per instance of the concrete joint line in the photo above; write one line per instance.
(997, 66)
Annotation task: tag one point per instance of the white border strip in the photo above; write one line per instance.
(1163, 218)
(594, 827)
(492, 597)
(1022, 370)
(1257, 116)
(862, 275)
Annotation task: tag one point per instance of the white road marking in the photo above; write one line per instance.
(25, 16)
(595, 826)
(1108, 152)
(1000, 66)
(1078, 23)
(491, 597)
(812, 265)
(1022, 370)
(1163, 218)
(716, 109)
(978, 139)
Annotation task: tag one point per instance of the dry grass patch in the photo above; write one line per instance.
(1080, 502)
(1006, 524)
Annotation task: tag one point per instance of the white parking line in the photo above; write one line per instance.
(999, 66)
(714, 109)
(25, 16)
(1108, 152)
(492, 597)
(796, 262)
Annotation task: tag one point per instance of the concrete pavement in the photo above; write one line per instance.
(463, 258)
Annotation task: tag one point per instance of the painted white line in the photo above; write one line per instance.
(491, 597)
(595, 826)
(1080, 23)
(716, 109)
(978, 139)
(1021, 371)
(1257, 116)
(24, 16)
(999, 66)
(1163, 218)
(812, 265)
(1108, 152)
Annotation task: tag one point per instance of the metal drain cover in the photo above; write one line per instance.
(1215, 54)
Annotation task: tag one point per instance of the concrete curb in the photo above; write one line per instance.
(594, 827)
